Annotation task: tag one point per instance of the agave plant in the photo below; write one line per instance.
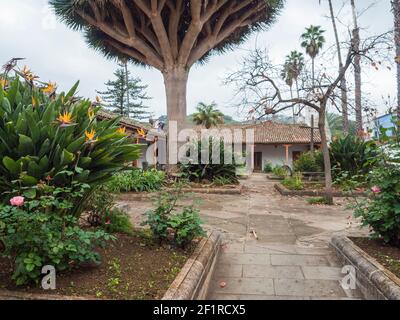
(353, 155)
(55, 139)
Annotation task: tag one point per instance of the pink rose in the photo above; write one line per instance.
(376, 189)
(17, 201)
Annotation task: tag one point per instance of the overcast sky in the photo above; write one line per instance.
(29, 29)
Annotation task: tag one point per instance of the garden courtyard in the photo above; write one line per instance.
(291, 258)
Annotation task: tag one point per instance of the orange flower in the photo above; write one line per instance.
(65, 118)
(50, 88)
(141, 132)
(122, 130)
(90, 135)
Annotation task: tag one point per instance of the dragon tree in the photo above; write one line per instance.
(169, 35)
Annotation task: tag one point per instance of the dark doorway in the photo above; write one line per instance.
(258, 161)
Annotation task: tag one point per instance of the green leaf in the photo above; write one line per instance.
(66, 157)
(25, 147)
(11, 165)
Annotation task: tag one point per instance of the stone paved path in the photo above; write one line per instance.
(291, 258)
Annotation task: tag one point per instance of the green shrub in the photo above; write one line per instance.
(34, 236)
(169, 225)
(309, 162)
(116, 221)
(196, 171)
(353, 155)
(294, 183)
(280, 171)
(186, 226)
(382, 211)
(137, 181)
(268, 167)
(56, 138)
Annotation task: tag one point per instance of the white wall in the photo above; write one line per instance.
(277, 155)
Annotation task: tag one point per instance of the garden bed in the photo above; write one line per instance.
(213, 189)
(315, 190)
(132, 269)
(373, 263)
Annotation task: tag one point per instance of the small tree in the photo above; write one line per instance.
(126, 95)
(258, 83)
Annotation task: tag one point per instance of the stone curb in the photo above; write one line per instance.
(374, 280)
(139, 196)
(274, 178)
(193, 280)
(311, 193)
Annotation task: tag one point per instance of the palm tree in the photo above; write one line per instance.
(294, 65)
(207, 115)
(357, 70)
(292, 68)
(396, 12)
(313, 41)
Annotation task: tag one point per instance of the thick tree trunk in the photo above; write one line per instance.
(176, 80)
(357, 71)
(343, 82)
(325, 151)
(396, 12)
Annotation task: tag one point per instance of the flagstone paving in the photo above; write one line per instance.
(290, 259)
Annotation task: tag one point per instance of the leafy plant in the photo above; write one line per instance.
(280, 171)
(197, 171)
(294, 183)
(186, 226)
(382, 212)
(268, 167)
(309, 162)
(353, 155)
(116, 221)
(34, 235)
(137, 181)
(56, 138)
(169, 225)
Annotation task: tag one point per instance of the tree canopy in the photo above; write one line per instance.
(162, 33)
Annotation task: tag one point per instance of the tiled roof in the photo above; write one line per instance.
(126, 122)
(270, 132)
(278, 133)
